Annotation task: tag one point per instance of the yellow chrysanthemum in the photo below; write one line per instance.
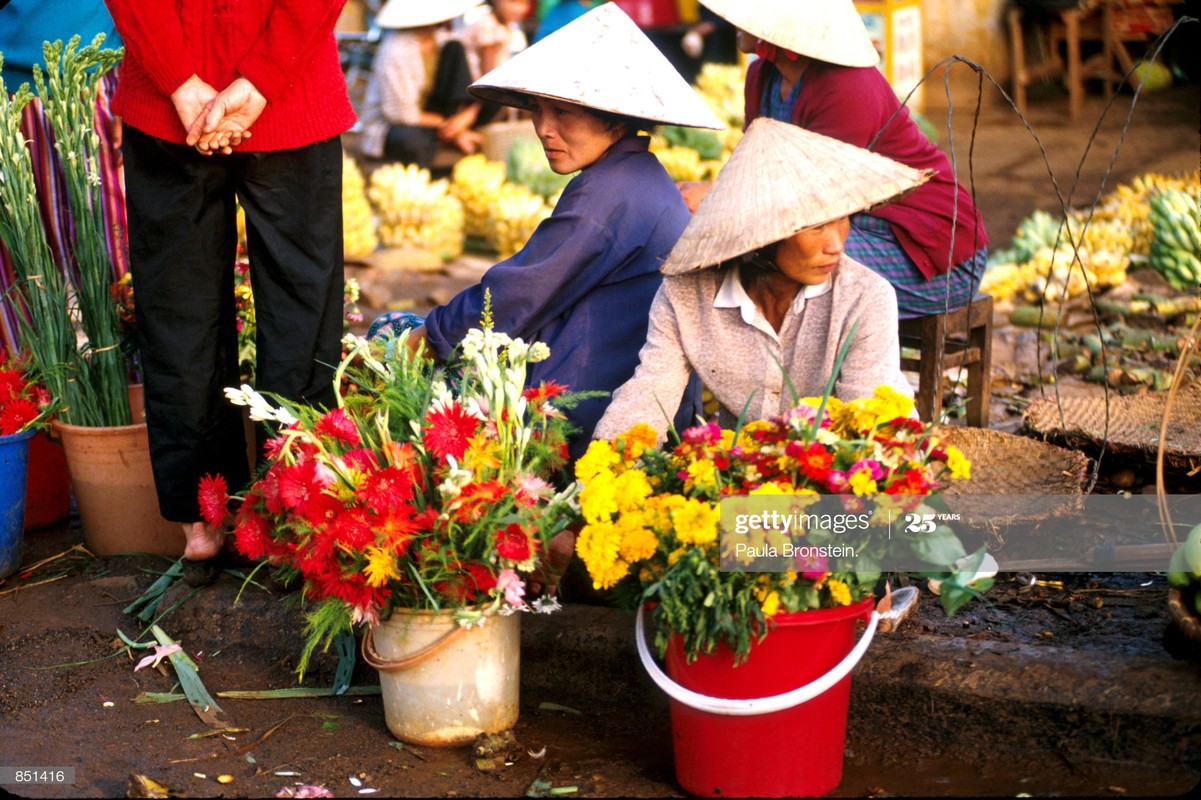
(635, 440)
(598, 498)
(599, 547)
(891, 404)
(957, 462)
(840, 593)
(701, 475)
(380, 567)
(771, 488)
(861, 482)
(658, 510)
(599, 458)
(696, 522)
(630, 490)
(637, 542)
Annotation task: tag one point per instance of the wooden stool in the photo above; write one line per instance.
(959, 339)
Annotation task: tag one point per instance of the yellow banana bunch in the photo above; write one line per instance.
(721, 85)
(359, 237)
(477, 183)
(681, 163)
(512, 217)
(415, 211)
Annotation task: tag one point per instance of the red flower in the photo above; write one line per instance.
(513, 543)
(477, 498)
(212, 496)
(391, 486)
(814, 460)
(300, 486)
(337, 425)
(12, 383)
(251, 534)
(472, 582)
(449, 431)
(911, 481)
(544, 391)
(352, 530)
(15, 414)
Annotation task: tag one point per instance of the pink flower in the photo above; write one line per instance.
(161, 651)
(873, 467)
(513, 587)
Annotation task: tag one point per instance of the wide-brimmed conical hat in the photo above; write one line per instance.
(601, 60)
(827, 30)
(419, 13)
(780, 179)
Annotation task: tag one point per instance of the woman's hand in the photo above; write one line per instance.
(558, 555)
(227, 122)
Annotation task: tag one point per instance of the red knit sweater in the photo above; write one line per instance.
(286, 48)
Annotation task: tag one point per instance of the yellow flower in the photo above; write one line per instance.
(861, 482)
(696, 522)
(744, 435)
(701, 475)
(891, 404)
(631, 490)
(598, 498)
(771, 488)
(482, 455)
(637, 542)
(840, 593)
(599, 458)
(635, 440)
(380, 567)
(599, 547)
(957, 462)
(771, 604)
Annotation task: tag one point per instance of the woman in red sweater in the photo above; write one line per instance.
(816, 69)
(227, 103)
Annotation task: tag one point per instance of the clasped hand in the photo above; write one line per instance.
(217, 122)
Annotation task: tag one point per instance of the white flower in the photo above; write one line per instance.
(546, 605)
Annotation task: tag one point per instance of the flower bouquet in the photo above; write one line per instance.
(423, 488)
(24, 406)
(757, 552)
(653, 517)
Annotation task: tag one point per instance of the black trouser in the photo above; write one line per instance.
(182, 242)
(417, 144)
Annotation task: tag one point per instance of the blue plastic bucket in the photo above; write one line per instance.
(14, 456)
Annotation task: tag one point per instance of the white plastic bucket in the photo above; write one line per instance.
(444, 685)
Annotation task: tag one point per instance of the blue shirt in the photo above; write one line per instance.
(26, 24)
(584, 282)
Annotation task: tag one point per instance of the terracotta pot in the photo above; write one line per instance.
(114, 490)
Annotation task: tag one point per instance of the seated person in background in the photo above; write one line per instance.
(417, 98)
(494, 36)
(817, 69)
(584, 281)
(759, 296)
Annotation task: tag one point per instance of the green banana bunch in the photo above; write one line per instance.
(1176, 238)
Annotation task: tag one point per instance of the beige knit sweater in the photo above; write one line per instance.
(747, 365)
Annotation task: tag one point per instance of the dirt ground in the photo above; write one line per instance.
(69, 697)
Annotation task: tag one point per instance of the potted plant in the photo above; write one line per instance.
(64, 307)
(24, 406)
(417, 509)
(686, 532)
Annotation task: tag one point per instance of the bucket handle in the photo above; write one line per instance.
(374, 659)
(765, 705)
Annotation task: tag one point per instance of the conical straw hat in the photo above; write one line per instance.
(828, 30)
(779, 179)
(419, 13)
(604, 61)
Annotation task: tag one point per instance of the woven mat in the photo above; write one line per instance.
(1006, 464)
(1133, 423)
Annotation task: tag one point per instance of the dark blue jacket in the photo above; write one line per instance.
(584, 282)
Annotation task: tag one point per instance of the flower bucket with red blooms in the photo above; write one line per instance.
(14, 454)
(774, 725)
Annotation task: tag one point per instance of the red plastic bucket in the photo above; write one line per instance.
(793, 752)
(48, 486)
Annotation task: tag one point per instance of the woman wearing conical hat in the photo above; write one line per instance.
(760, 296)
(584, 281)
(817, 69)
(417, 99)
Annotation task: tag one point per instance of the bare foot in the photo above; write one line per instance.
(204, 540)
